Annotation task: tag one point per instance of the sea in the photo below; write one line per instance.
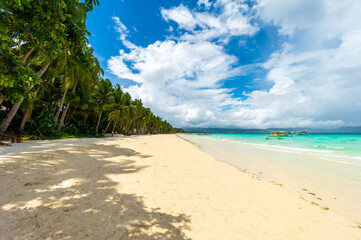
(325, 169)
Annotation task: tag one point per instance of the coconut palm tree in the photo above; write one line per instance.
(87, 70)
(103, 95)
(6, 122)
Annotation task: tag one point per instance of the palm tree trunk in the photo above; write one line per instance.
(100, 116)
(143, 129)
(27, 113)
(25, 117)
(25, 57)
(4, 125)
(61, 105)
(1, 98)
(6, 122)
(63, 117)
(115, 124)
(133, 127)
(67, 107)
(105, 131)
(70, 115)
(44, 68)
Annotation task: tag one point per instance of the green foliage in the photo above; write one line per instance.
(37, 33)
(15, 76)
(42, 123)
(62, 135)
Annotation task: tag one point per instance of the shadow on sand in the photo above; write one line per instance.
(68, 194)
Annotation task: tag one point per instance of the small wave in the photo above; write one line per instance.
(333, 147)
(224, 140)
(278, 148)
(299, 149)
(325, 147)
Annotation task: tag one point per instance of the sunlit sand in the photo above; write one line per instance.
(149, 187)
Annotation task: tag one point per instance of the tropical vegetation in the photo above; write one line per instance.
(50, 82)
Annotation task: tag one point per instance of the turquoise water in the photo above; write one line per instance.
(346, 146)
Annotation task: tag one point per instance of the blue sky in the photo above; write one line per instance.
(233, 63)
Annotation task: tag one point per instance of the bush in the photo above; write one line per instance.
(70, 129)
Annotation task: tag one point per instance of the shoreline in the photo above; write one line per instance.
(281, 169)
(150, 187)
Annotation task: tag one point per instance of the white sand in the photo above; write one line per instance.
(151, 187)
(318, 179)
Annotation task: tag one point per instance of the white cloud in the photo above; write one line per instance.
(229, 18)
(181, 79)
(326, 18)
(204, 3)
(122, 29)
(182, 15)
(311, 86)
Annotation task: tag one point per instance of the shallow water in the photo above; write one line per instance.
(328, 165)
(344, 146)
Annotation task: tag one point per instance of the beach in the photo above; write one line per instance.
(325, 177)
(149, 187)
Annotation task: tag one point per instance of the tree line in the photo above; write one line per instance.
(50, 81)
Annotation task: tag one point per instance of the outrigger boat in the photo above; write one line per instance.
(279, 134)
(303, 132)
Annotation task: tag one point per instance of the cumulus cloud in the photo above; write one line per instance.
(326, 18)
(182, 15)
(229, 18)
(181, 78)
(318, 86)
(204, 3)
(311, 86)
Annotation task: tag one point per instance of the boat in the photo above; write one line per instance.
(303, 132)
(279, 134)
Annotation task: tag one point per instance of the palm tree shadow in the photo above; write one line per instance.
(73, 197)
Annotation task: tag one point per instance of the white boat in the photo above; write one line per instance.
(303, 132)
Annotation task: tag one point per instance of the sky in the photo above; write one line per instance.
(233, 63)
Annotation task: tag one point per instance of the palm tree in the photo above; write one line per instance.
(116, 107)
(87, 71)
(6, 122)
(66, 62)
(103, 95)
(49, 75)
(136, 113)
(65, 21)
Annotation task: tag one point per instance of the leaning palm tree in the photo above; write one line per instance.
(11, 114)
(66, 63)
(56, 70)
(119, 109)
(87, 70)
(136, 110)
(103, 95)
